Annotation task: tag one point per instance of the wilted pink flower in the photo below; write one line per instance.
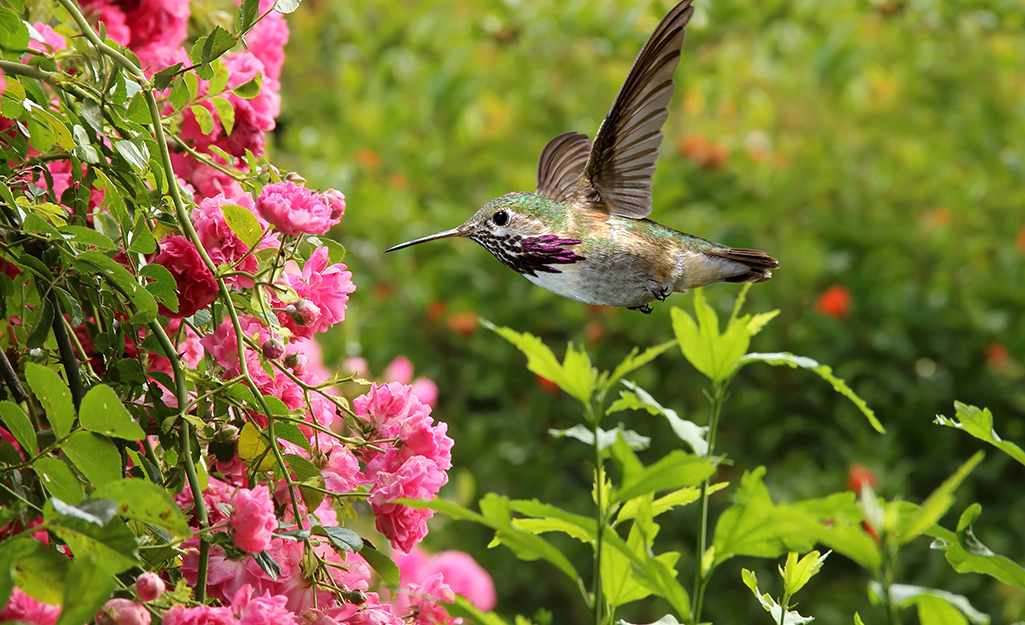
(294, 209)
(196, 286)
(123, 612)
(199, 615)
(252, 518)
(149, 586)
(21, 607)
(325, 287)
(265, 609)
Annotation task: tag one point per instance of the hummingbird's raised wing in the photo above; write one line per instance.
(617, 177)
(561, 165)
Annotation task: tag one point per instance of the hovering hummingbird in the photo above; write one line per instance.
(583, 233)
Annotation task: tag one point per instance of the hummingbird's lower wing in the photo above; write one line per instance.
(617, 177)
(561, 165)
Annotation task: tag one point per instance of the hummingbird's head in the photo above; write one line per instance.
(500, 219)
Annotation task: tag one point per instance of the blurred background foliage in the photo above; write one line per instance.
(877, 149)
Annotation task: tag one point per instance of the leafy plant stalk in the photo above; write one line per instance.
(717, 399)
(593, 412)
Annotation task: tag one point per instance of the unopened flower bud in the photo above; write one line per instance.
(298, 363)
(336, 202)
(123, 612)
(295, 177)
(149, 586)
(272, 348)
(226, 434)
(306, 313)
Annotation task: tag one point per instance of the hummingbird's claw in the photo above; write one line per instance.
(644, 309)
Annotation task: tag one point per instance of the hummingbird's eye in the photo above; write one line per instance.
(500, 218)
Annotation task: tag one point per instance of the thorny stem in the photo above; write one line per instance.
(717, 398)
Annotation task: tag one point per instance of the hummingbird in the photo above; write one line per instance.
(584, 233)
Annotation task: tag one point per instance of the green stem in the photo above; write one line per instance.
(185, 450)
(717, 398)
(593, 413)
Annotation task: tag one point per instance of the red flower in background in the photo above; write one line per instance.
(997, 355)
(859, 475)
(834, 301)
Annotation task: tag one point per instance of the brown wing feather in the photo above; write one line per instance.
(622, 159)
(561, 165)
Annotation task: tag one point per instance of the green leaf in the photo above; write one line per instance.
(966, 554)
(87, 587)
(163, 78)
(672, 471)
(96, 511)
(713, 354)
(54, 395)
(102, 412)
(142, 241)
(905, 595)
(825, 372)
(95, 456)
(114, 272)
(250, 89)
(461, 607)
(574, 375)
(979, 423)
(131, 152)
(138, 109)
(209, 47)
(220, 78)
(637, 360)
(682, 497)
(243, 222)
(286, 6)
(340, 537)
(687, 431)
(204, 118)
(770, 605)
(225, 113)
(654, 572)
(39, 571)
(939, 502)
(58, 479)
(549, 518)
(113, 545)
(80, 235)
(145, 502)
(13, 31)
(385, 568)
(20, 426)
(61, 133)
(606, 438)
(42, 325)
(161, 285)
(796, 573)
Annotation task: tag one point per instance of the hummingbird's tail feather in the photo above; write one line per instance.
(759, 263)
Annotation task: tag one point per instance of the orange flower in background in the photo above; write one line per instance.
(997, 355)
(858, 475)
(834, 301)
(547, 385)
(464, 323)
(1021, 242)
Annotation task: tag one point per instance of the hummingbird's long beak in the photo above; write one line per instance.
(454, 232)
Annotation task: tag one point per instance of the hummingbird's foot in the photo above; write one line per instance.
(644, 309)
(658, 291)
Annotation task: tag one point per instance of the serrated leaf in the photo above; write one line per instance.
(242, 222)
(130, 151)
(204, 118)
(979, 423)
(145, 305)
(770, 605)
(796, 573)
(20, 426)
(574, 375)
(249, 89)
(681, 497)
(220, 78)
(102, 412)
(41, 326)
(966, 554)
(58, 479)
(825, 372)
(672, 471)
(145, 502)
(687, 431)
(163, 78)
(162, 285)
(54, 395)
(113, 545)
(95, 456)
(225, 113)
(80, 235)
(385, 568)
(60, 132)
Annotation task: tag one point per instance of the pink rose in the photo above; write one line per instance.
(221, 242)
(199, 615)
(252, 518)
(326, 288)
(197, 287)
(294, 209)
(265, 609)
(416, 478)
(460, 571)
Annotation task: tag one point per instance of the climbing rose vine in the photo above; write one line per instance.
(173, 448)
